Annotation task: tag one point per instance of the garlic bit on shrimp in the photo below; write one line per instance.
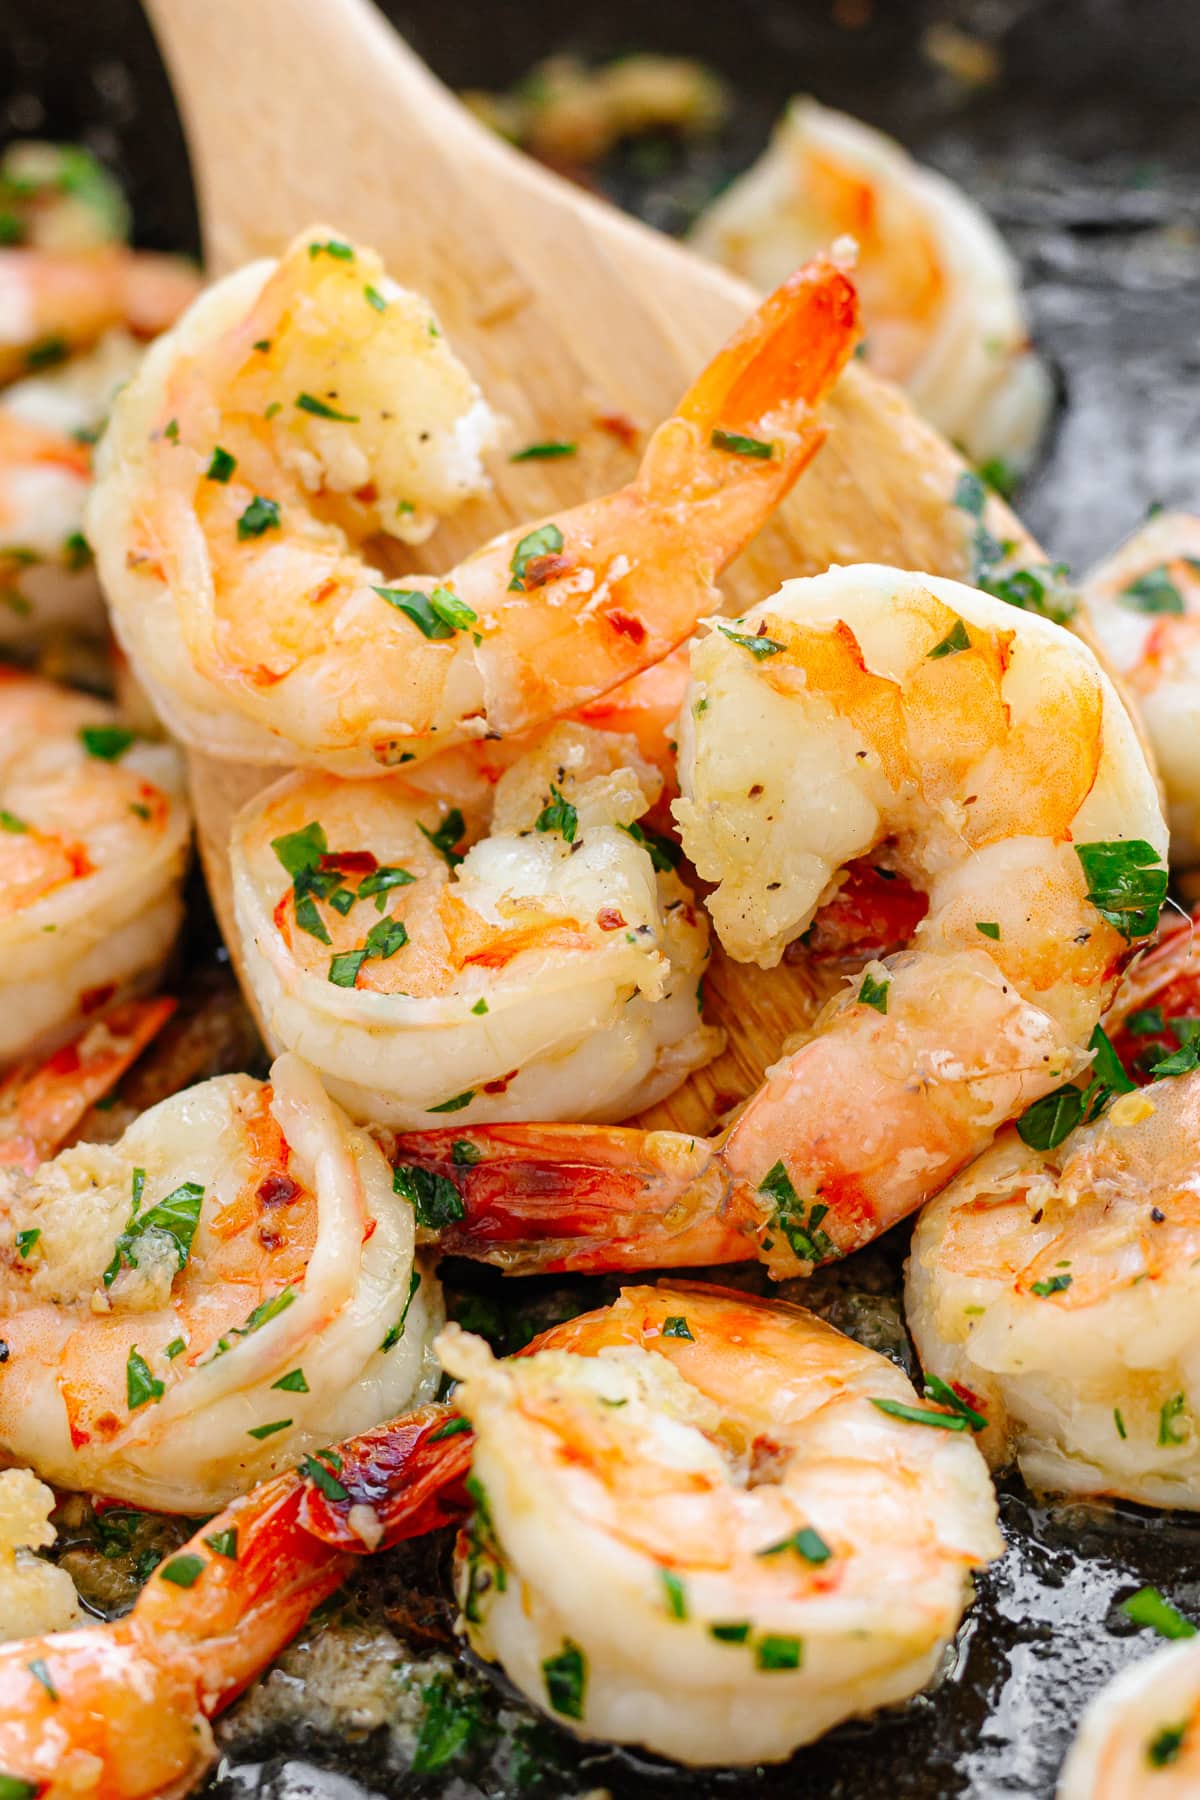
(551, 970)
(94, 833)
(35, 1596)
(712, 1526)
(1061, 1287)
(975, 753)
(940, 291)
(301, 407)
(187, 1310)
(1140, 1736)
(1144, 605)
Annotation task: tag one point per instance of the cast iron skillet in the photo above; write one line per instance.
(1087, 152)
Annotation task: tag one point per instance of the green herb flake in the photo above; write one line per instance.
(547, 452)
(171, 431)
(547, 540)
(1173, 1428)
(565, 1676)
(558, 815)
(25, 1240)
(736, 445)
(77, 552)
(10, 822)
(448, 834)
(315, 1471)
(41, 1674)
(874, 993)
(989, 929)
(332, 247)
(46, 353)
(224, 1543)
(182, 1571)
(1119, 1422)
(435, 1200)
(374, 298)
(1164, 1747)
(664, 853)
(806, 1542)
(1153, 592)
(452, 1428)
(1127, 884)
(177, 1215)
(801, 1229)
(1177, 1062)
(320, 409)
(969, 494)
(455, 1104)
(395, 1332)
(260, 516)
(292, 1383)
(140, 1384)
(729, 1634)
(451, 1723)
(956, 639)
(175, 1348)
(14, 1787)
(1148, 1608)
(343, 968)
(919, 1415)
(301, 850)
(108, 743)
(675, 1593)
(1054, 1284)
(940, 1391)
(758, 646)
(677, 1327)
(776, 1652)
(266, 1431)
(464, 1154)
(221, 467)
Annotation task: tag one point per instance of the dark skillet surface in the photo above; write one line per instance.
(1087, 153)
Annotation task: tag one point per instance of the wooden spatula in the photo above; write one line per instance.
(566, 311)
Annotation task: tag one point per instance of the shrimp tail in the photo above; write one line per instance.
(578, 1198)
(752, 409)
(399, 1481)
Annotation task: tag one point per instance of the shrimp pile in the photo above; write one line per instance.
(1144, 605)
(981, 758)
(1140, 1736)
(551, 970)
(94, 833)
(940, 291)
(711, 1526)
(301, 406)
(229, 1286)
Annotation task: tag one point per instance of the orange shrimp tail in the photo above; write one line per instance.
(578, 1198)
(408, 1475)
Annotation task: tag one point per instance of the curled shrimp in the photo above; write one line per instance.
(549, 970)
(1060, 1288)
(979, 756)
(288, 417)
(696, 1530)
(1144, 605)
(1140, 1736)
(230, 1284)
(940, 292)
(94, 833)
(121, 1711)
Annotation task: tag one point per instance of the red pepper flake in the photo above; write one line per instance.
(609, 919)
(500, 1086)
(277, 1190)
(92, 999)
(356, 861)
(620, 426)
(541, 569)
(628, 625)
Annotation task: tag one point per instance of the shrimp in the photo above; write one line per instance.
(189, 1309)
(978, 754)
(696, 1528)
(1144, 605)
(550, 971)
(1157, 1006)
(47, 424)
(121, 1711)
(940, 291)
(59, 197)
(1059, 1288)
(287, 417)
(94, 834)
(1140, 1736)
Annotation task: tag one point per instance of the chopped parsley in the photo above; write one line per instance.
(940, 1391)
(448, 834)
(1165, 1745)
(664, 852)
(436, 615)
(677, 1327)
(182, 1571)
(1119, 1422)
(177, 1215)
(266, 1431)
(452, 1428)
(675, 1593)
(552, 448)
(260, 516)
(221, 467)
(729, 1634)
(1054, 1284)
(1127, 884)
(565, 1676)
(758, 647)
(106, 742)
(383, 940)
(450, 1725)
(547, 540)
(332, 247)
(25, 1240)
(558, 815)
(1173, 1428)
(807, 1241)
(41, 1674)
(322, 1477)
(435, 1200)
(321, 410)
(989, 929)
(774, 1651)
(874, 993)
(374, 298)
(806, 1542)
(1153, 592)
(464, 1154)
(224, 1543)
(10, 822)
(394, 1333)
(292, 1383)
(956, 639)
(920, 1415)
(175, 1348)
(140, 1384)
(77, 552)
(480, 1007)
(1045, 1124)
(1147, 1607)
(737, 445)
(455, 1104)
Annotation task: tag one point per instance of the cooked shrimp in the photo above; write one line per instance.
(1140, 1737)
(548, 972)
(121, 1711)
(1157, 1006)
(188, 1309)
(1144, 604)
(94, 834)
(977, 753)
(288, 417)
(59, 197)
(1059, 1287)
(34, 1595)
(697, 1531)
(940, 291)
